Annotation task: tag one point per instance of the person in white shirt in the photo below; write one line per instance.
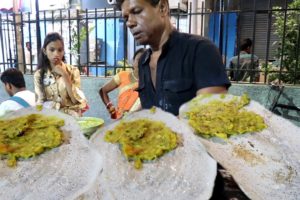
(15, 86)
(30, 58)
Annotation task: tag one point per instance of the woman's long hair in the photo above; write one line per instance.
(43, 61)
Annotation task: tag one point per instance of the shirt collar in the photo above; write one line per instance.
(169, 44)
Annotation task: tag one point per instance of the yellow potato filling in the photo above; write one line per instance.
(142, 140)
(219, 118)
(28, 136)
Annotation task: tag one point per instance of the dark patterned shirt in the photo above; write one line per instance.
(187, 63)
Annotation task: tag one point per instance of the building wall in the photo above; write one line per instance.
(92, 4)
(90, 86)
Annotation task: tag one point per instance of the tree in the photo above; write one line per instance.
(288, 46)
(77, 38)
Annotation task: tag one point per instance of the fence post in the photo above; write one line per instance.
(19, 42)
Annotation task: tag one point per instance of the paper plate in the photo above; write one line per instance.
(187, 172)
(266, 165)
(64, 172)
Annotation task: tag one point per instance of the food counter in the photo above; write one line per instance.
(260, 164)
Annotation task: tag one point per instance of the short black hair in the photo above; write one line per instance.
(152, 2)
(245, 44)
(14, 77)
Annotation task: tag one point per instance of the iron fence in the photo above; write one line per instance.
(98, 42)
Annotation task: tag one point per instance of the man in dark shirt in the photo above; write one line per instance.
(242, 65)
(177, 66)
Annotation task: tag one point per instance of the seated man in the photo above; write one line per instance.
(14, 85)
(242, 65)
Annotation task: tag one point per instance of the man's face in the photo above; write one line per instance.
(144, 21)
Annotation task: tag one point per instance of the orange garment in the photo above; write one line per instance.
(127, 84)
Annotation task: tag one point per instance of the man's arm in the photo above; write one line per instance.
(209, 72)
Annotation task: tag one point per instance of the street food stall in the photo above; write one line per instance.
(151, 154)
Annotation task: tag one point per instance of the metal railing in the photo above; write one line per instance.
(98, 42)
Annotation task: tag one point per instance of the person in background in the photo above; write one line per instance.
(177, 66)
(15, 86)
(127, 82)
(29, 57)
(241, 66)
(57, 84)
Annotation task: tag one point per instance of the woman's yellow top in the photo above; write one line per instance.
(53, 92)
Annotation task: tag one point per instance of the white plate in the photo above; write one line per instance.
(187, 172)
(266, 165)
(64, 172)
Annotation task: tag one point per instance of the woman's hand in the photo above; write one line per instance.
(60, 69)
(112, 110)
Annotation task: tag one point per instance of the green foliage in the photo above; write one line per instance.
(291, 51)
(77, 40)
